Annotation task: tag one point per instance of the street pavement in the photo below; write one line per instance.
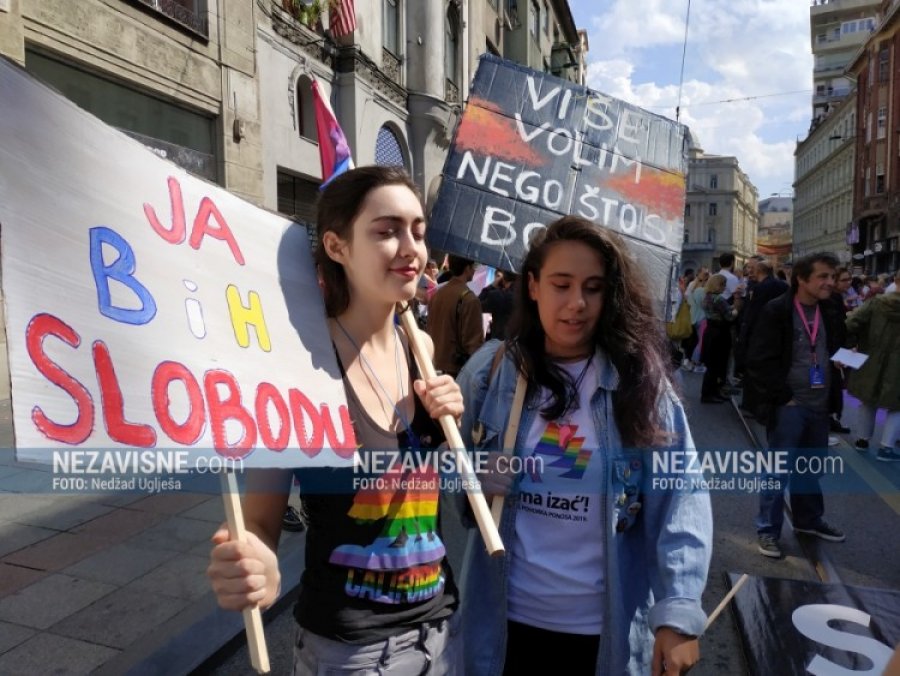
(115, 583)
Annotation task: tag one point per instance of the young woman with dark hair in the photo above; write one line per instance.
(598, 556)
(377, 595)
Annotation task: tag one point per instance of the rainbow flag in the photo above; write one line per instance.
(334, 153)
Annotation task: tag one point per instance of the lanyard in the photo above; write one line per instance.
(812, 333)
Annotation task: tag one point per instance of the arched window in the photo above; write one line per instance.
(306, 113)
(388, 152)
(451, 44)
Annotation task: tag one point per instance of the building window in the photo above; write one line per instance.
(882, 122)
(546, 17)
(711, 235)
(713, 208)
(306, 112)
(391, 26)
(879, 179)
(297, 199)
(190, 14)
(883, 59)
(388, 152)
(179, 134)
(714, 181)
(687, 237)
(535, 19)
(687, 210)
(451, 45)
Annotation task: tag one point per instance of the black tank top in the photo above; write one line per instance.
(375, 562)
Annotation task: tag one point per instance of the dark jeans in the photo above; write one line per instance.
(716, 346)
(530, 650)
(690, 343)
(803, 433)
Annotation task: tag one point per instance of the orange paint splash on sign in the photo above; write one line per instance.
(662, 192)
(485, 130)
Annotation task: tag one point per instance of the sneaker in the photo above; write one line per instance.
(687, 365)
(861, 445)
(833, 440)
(699, 368)
(886, 454)
(824, 531)
(292, 520)
(834, 425)
(768, 546)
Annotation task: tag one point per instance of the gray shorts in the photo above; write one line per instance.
(435, 649)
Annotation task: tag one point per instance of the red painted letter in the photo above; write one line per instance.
(302, 408)
(40, 326)
(119, 429)
(176, 234)
(191, 429)
(343, 447)
(223, 232)
(230, 408)
(266, 393)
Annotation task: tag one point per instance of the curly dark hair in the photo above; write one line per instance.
(628, 330)
(338, 206)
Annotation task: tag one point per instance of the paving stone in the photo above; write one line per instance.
(175, 533)
(49, 600)
(213, 510)
(58, 552)
(121, 618)
(114, 499)
(120, 524)
(169, 503)
(29, 481)
(181, 577)
(14, 578)
(64, 514)
(15, 506)
(57, 655)
(120, 564)
(15, 536)
(12, 635)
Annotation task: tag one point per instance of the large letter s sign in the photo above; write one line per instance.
(812, 621)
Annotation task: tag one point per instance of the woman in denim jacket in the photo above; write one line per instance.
(600, 556)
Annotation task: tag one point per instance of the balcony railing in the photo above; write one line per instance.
(187, 17)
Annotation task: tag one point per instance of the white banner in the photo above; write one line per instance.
(146, 308)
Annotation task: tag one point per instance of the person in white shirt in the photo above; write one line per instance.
(726, 265)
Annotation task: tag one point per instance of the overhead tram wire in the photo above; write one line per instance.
(738, 99)
(687, 23)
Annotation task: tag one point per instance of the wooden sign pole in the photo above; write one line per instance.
(256, 639)
(476, 498)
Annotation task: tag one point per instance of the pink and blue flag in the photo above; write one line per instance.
(334, 153)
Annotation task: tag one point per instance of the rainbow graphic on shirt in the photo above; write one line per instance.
(559, 441)
(403, 564)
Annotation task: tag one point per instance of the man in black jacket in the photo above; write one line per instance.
(788, 364)
(766, 287)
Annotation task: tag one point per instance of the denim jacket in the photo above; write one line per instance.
(657, 542)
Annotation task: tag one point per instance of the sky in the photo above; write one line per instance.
(735, 49)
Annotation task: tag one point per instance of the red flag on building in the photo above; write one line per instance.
(342, 18)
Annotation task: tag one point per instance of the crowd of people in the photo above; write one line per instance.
(601, 566)
(773, 336)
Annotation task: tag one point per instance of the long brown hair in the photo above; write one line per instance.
(628, 330)
(338, 206)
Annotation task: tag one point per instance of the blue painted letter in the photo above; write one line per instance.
(121, 270)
